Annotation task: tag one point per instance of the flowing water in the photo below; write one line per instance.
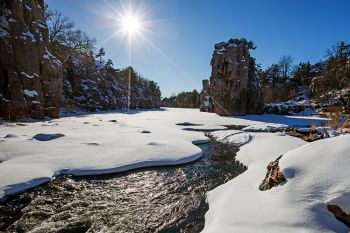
(155, 199)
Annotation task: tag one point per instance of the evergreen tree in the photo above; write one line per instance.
(101, 53)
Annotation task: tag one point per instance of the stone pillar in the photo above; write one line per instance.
(234, 88)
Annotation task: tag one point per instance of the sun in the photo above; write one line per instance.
(130, 24)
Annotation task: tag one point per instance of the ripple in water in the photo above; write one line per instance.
(156, 199)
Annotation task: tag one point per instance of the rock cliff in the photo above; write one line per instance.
(30, 76)
(234, 88)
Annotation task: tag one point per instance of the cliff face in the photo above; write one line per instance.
(234, 88)
(30, 76)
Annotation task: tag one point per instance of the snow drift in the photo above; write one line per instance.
(317, 174)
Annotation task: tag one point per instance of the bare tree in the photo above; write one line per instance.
(59, 26)
(286, 63)
(79, 41)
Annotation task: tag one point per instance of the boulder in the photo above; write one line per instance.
(234, 88)
(273, 176)
(30, 76)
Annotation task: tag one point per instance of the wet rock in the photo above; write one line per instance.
(234, 88)
(273, 176)
(339, 214)
(30, 76)
(47, 137)
(6, 211)
(6, 216)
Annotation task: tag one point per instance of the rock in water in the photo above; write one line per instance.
(234, 88)
(273, 176)
(30, 76)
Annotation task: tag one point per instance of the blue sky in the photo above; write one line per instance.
(183, 33)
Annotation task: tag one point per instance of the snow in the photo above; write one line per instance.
(264, 127)
(28, 34)
(51, 57)
(3, 33)
(317, 174)
(40, 24)
(4, 27)
(30, 93)
(27, 7)
(29, 76)
(117, 146)
(233, 137)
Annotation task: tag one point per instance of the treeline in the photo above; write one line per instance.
(91, 82)
(283, 79)
(190, 99)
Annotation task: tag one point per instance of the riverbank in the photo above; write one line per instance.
(316, 178)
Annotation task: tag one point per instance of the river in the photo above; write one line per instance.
(154, 199)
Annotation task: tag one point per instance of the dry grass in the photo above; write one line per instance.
(337, 118)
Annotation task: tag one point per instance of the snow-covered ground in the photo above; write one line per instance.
(32, 153)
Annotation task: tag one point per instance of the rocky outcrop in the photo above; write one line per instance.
(273, 176)
(30, 76)
(234, 88)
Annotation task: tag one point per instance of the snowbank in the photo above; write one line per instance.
(107, 142)
(317, 174)
(233, 137)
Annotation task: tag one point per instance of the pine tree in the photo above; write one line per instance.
(100, 54)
